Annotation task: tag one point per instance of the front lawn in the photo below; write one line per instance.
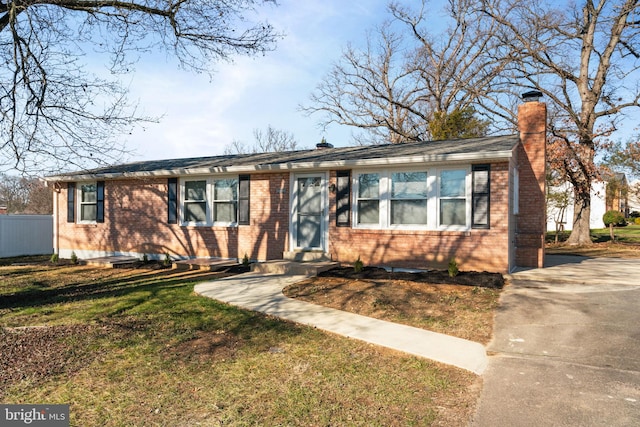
(627, 244)
(128, 347)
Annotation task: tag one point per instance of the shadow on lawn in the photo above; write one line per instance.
(144, 280)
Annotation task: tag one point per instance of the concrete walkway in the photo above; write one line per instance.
(263, 292)
(566, 347)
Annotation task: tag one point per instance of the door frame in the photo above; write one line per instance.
(293, 211)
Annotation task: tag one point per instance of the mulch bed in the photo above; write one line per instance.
(465, 278)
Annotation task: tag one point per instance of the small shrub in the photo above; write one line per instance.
(167, 259)
(74, 258)
(246, 261)
(145, 258)
(614, 218)
(358, 265)
(636, 221)
(453, 268)
(54, 259)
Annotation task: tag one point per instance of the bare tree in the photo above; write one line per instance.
(585, 60)
(403, 79)
(23, 195)
(54, 111)
(268, 141)
(373, 91)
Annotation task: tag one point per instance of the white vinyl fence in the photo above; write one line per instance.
(26, 235)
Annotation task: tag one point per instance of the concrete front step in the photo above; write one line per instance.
(303, 256)
(309, 268)
(110, 261)
(208, 264)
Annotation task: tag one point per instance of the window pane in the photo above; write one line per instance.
(369, 186)
(409, 185)
(195, 211)
(88, 193)
(453, 212)
(225, 189)
(88, 212)
(409, 211)
(309, 195)
(368, 212)
(195, 190)
(452, 183)
(224, 212)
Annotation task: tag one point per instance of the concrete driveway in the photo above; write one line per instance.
(566, 350)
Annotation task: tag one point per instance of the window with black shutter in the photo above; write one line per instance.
(71, 202)
(481, 187)
(343, 198)
(172, 200)
(100, 201)
(243, 199)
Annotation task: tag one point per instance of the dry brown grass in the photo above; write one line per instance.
(137, 347)
(605, 249)
(462, 311)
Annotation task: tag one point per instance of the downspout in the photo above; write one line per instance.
(56, 238)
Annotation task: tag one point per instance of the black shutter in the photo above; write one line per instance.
(71, 202)
(481, 196)
(343, 198)
(172, 200)
(244, 194)
(100, 201)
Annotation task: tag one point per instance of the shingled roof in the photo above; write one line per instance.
(473, 149)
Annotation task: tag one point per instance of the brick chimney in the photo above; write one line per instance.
(532, 156)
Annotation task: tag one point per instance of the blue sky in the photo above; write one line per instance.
(201, 115)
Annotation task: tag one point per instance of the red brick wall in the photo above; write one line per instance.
(531, 158)
(477, 249)
(136, 221)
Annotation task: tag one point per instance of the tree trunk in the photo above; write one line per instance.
(581, 233)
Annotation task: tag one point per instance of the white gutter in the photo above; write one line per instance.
(325, 165)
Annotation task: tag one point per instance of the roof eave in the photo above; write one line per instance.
(322, 165)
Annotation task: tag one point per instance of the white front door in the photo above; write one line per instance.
(309, 211)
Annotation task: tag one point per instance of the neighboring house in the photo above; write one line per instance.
(617, 194)
(634, 196)
(417, 205)
(605, 196)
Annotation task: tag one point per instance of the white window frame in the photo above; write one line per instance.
(433, 199)
(209, 201)
(184, 201)
(81, 203)
(234, 201)
(390, 199)
(467, 199)
(356, 198)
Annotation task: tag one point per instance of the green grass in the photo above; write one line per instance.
(148, 351)
(628, 234)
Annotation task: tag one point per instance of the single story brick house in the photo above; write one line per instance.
(414, 205)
